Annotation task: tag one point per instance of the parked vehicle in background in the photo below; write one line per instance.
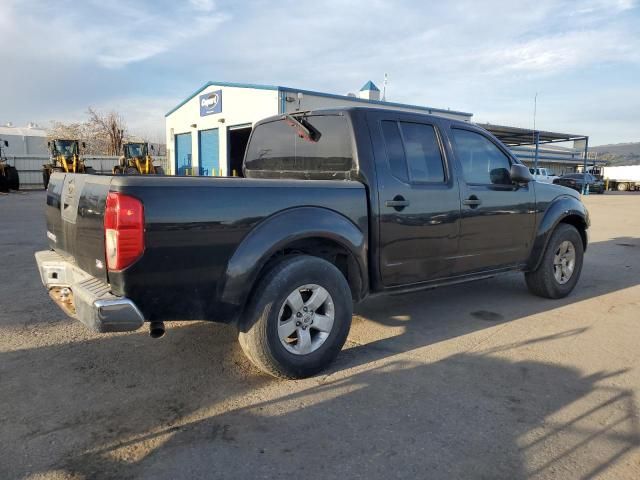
(543, 175)
(136, 160)
(336, 205)
(64, 157)
(578, 180)
(621, 178)
(9, 178)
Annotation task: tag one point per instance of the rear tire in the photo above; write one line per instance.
(46, 175)
(623, 187)
(281, 339)
(4, 182)
(550, 279)
(13, 178)
(131, 171)
(159, 170)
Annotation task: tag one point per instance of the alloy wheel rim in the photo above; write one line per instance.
(306, 319)
(564, 262)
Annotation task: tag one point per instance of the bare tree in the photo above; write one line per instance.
(110, 129)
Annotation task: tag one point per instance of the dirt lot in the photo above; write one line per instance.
(474, 381)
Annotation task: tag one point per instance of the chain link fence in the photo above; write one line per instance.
(30, 167)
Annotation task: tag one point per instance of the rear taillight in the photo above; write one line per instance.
(123, 230)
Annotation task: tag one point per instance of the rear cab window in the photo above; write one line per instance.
(277, 149)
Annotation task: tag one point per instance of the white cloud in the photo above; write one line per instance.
(112, 34)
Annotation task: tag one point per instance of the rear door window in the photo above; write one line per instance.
(413, 152)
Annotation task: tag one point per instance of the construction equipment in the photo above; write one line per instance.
(64, 157)
(136, 160)
(9, 179)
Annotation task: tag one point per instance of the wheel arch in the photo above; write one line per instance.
(312, 231)
(566, 209)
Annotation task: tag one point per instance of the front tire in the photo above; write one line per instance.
(298, 318)
(561, 264)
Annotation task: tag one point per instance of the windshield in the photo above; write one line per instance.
(136, 149)
(66, 147)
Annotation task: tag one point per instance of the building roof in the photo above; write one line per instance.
(318, 94)
(22, 131)
(369, 86)
(513, 136)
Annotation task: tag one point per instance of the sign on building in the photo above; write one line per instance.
(211, 103)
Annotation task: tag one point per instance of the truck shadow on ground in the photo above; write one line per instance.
(466, 416)
(431, 316)
(124, 406)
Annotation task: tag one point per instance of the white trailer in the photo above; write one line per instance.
(621, 178)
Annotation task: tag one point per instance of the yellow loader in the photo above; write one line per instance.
(64, 157)
(136, 160)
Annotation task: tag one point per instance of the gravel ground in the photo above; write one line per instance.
(474, 381)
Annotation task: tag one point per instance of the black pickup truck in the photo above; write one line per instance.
(336, 205)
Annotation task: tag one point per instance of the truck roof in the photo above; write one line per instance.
(351, 110)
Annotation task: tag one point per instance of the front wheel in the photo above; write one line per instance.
(298, 319)
(561, 264)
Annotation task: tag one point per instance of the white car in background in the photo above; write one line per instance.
(543, 175)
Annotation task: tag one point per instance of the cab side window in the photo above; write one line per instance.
(482, 161)
(413, 152)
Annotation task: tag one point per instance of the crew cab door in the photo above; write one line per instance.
(418, 199)
(498, 216)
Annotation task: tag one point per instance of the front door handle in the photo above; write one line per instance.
(398, 202)
(472, 201)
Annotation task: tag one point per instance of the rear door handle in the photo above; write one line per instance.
(472, 201)
(398, 202)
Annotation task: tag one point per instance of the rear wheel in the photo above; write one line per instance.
(4, 181)
(159, 170)
(623, 187)
(561, 264)
(131, 171)
(298, 319)
(13, 178)
(46, 175)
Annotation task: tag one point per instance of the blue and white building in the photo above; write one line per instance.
(208, 131)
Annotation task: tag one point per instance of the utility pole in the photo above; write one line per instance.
(384, 88)
(536, 134)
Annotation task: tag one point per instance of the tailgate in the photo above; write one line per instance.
(74, 213)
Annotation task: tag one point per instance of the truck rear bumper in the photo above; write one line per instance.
(86, 298)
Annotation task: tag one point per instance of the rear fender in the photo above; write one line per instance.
(562, 209)
(275, 233)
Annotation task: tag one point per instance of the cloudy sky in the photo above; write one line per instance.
(490, 58)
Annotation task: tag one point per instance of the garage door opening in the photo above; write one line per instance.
(237, 139)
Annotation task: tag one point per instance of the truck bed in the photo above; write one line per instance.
(193, 226)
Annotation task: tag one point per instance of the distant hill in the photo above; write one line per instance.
(619, 153)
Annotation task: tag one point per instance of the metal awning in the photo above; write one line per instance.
(513, 136)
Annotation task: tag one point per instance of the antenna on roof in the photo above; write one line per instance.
(384, 88)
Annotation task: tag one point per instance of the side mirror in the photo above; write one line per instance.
(49, 144)
(153, 149)
(6, 144)
(84, 145)
(520, 174)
